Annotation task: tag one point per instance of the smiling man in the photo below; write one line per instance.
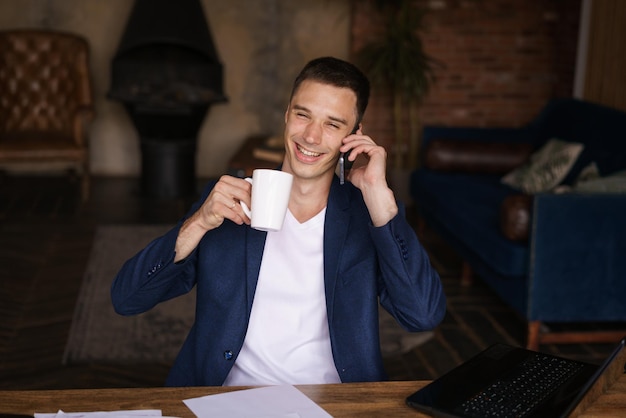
(300, 305)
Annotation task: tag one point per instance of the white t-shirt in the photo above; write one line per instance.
(287, 341)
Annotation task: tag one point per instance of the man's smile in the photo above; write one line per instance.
(306, 152)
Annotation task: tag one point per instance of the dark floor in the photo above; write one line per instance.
(45, 240)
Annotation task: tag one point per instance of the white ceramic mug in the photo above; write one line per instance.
(270, 198)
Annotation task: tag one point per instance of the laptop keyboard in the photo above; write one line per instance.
(516, 396)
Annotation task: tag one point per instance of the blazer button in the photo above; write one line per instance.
(228, 355)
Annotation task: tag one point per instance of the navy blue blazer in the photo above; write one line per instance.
(363, 265)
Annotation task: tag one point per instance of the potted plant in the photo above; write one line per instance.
(396, 63)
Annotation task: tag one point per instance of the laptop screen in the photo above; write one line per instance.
(504, 380)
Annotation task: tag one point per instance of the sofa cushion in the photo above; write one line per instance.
(468, 206)
(547, 167)
(35, 146)
(599, 128)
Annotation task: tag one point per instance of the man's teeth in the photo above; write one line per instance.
(308, 153)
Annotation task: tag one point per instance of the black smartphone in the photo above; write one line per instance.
(344, 163)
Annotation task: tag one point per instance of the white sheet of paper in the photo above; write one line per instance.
(103, 414)
(283, 401)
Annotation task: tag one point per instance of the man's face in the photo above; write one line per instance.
(319, 116)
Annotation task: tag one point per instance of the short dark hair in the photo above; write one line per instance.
(338, 73)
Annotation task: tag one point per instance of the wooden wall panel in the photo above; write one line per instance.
(605, 80)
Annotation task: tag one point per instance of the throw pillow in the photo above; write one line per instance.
(547, 167)
(615, 183)
(590, 172)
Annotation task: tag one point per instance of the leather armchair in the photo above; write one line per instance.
(46, 101)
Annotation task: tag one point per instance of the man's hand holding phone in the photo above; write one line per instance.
(369, 177)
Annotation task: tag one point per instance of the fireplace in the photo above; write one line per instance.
(167, 74)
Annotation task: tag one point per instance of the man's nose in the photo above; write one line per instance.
(313, 134)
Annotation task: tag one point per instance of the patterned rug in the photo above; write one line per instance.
(98, 334)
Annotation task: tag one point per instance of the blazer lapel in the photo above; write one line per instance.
(255, 243)
(335, 231)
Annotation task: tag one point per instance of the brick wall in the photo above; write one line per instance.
(501, 60)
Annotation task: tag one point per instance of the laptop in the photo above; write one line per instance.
(506, 381)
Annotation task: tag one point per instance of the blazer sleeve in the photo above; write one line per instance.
(409, 287)
(151, 276)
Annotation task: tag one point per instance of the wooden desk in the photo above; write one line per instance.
(611, 403)
(343, 400)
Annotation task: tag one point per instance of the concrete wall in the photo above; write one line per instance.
(262, 45)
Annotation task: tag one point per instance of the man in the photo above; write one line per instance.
(297, 306)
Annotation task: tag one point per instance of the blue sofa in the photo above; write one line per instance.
(572, 266)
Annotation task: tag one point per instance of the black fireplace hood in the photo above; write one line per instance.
(179, 22)
(167, 74)
(166, 57)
